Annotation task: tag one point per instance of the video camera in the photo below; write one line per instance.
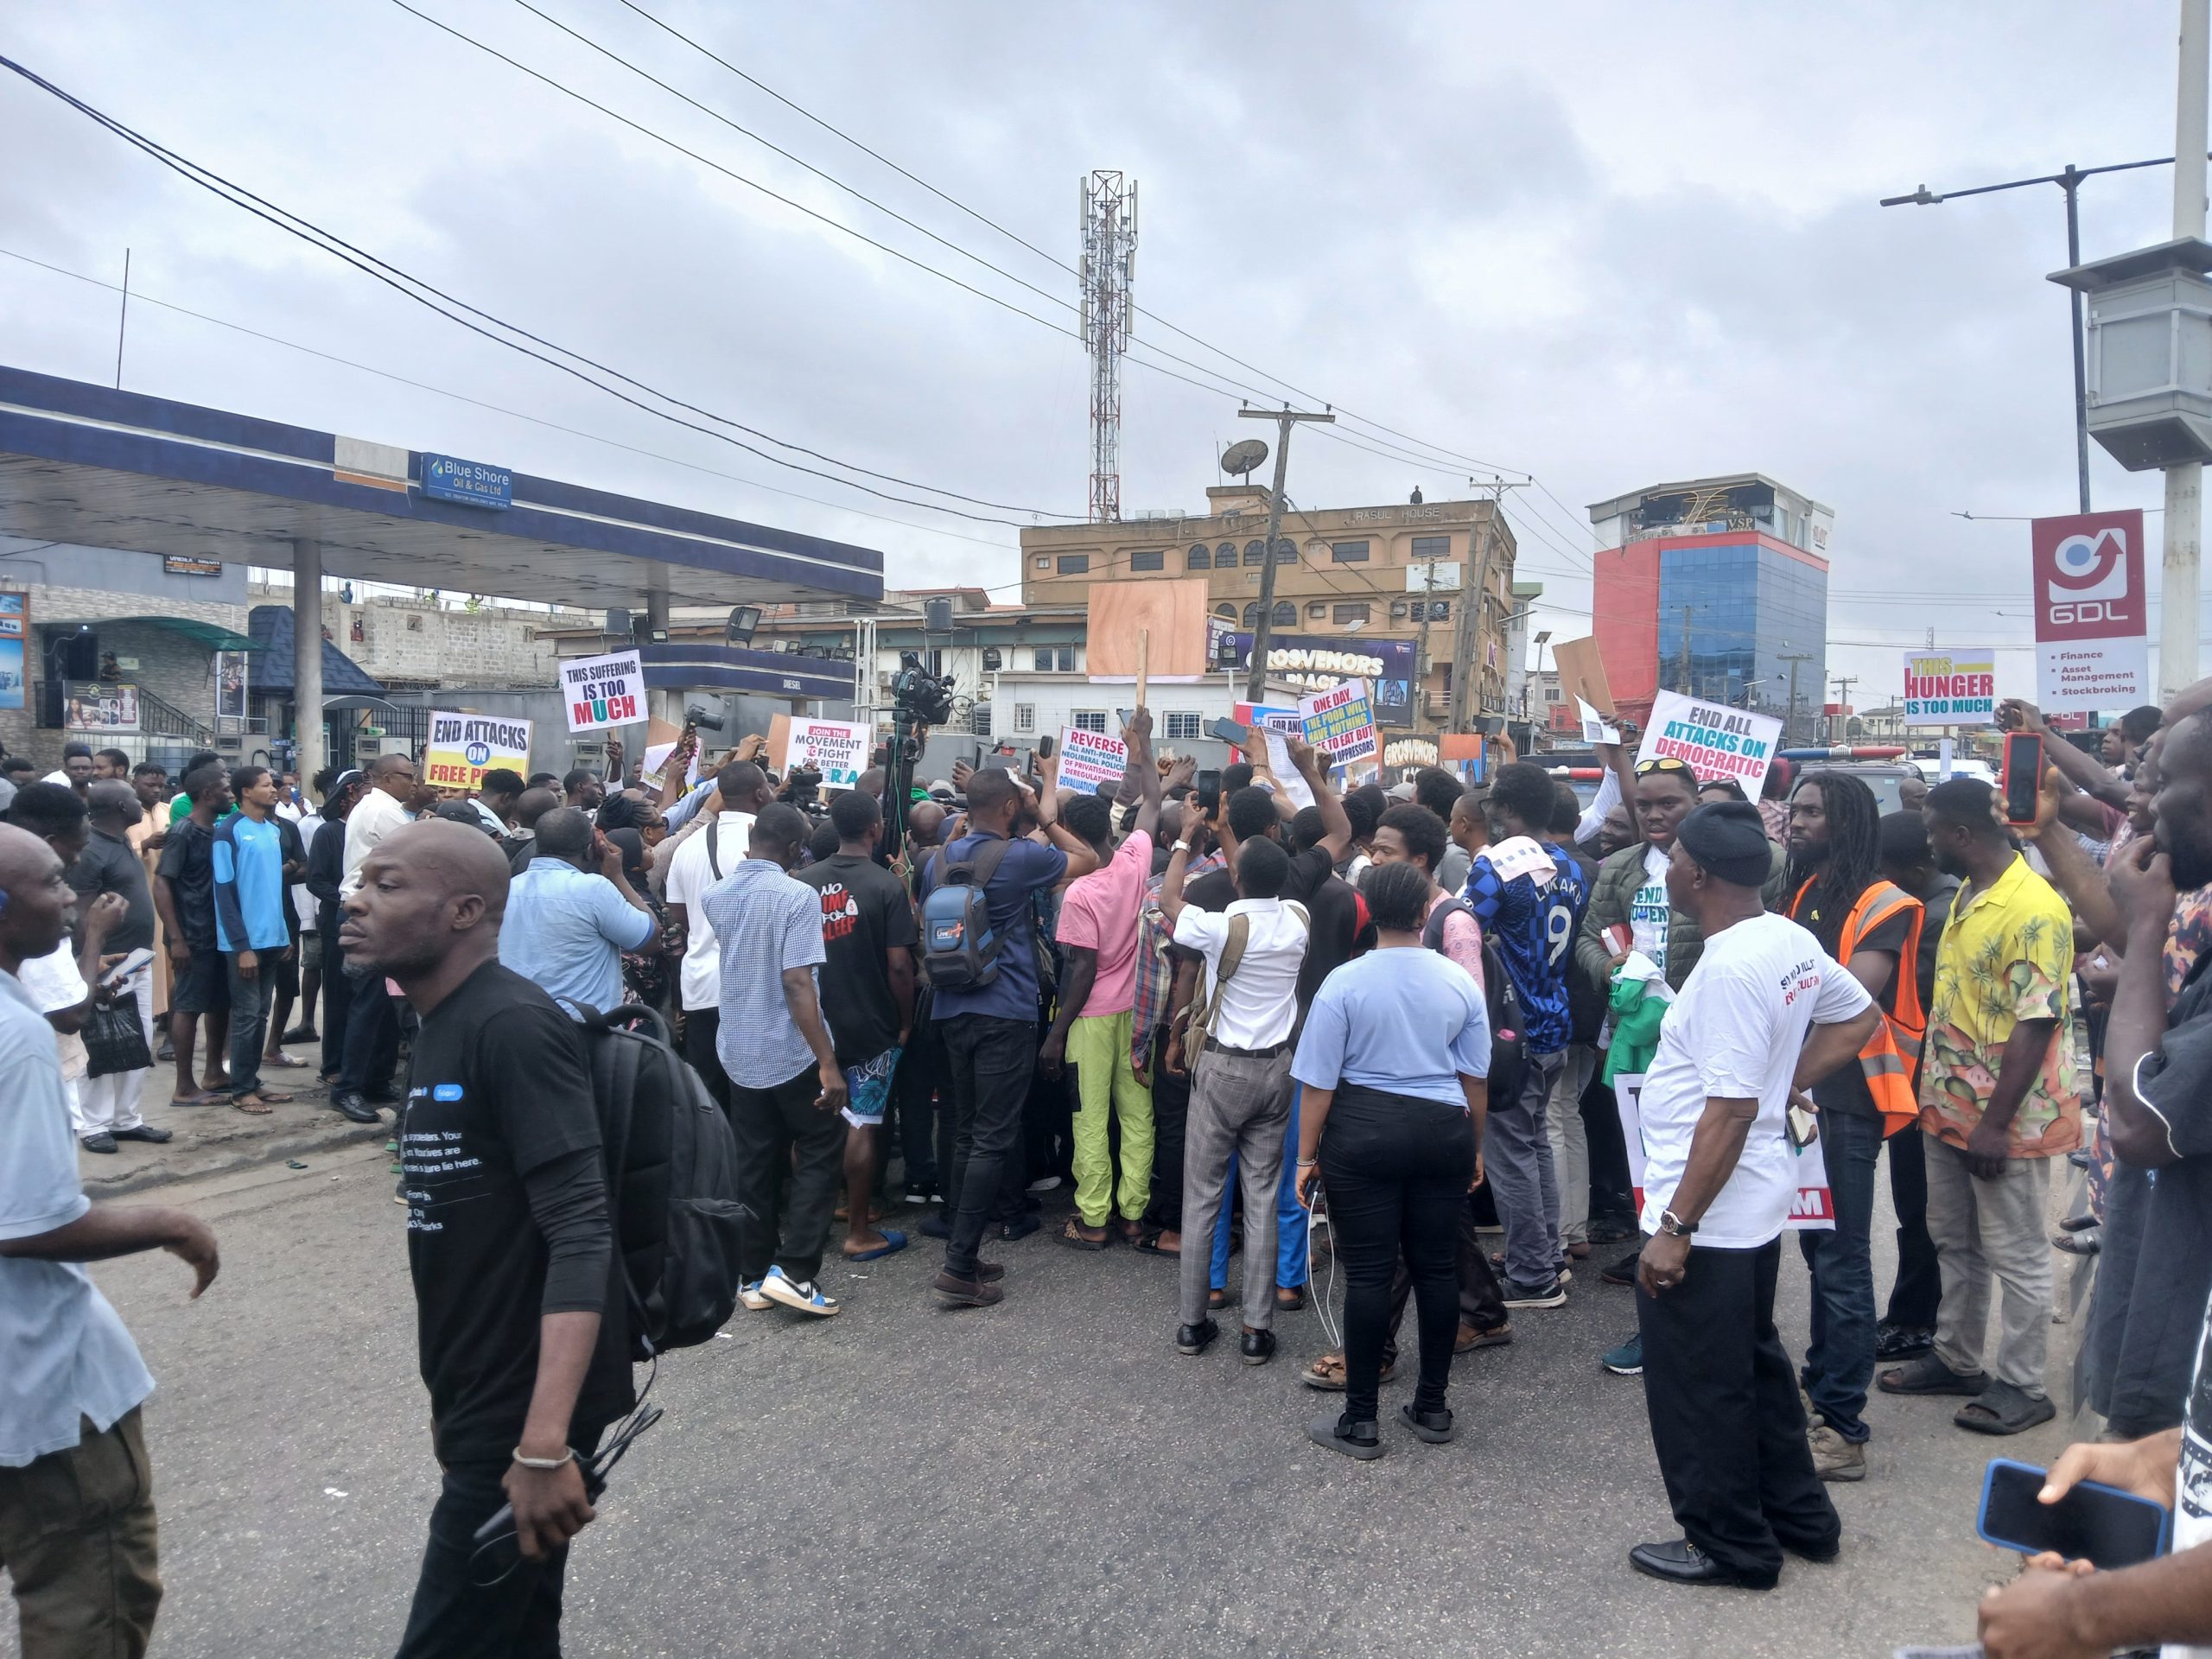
(803, 789)
(920, 696)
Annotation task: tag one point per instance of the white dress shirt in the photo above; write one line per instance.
(376, 817)
(691, 872)
(1259, 1004)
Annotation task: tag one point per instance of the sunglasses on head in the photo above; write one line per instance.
(1664, 763)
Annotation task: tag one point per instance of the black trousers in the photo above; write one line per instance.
(1919, 1285)
(921, 1075)
(453, 1616)
(1725, 1418)
(991, 1060)
(1171, 1109)
(1398, 1169)
(1482, 1301)
(372, 1038)
(701, 1028)
(790, 1156)
(1610, 1191)
(338, 993)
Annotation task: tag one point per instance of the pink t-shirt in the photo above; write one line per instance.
(1099, 911)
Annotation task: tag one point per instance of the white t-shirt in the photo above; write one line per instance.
(2193, 1480)
(1649, 911)
(1259, 1004)
(303, 902)
(690, 874)
(1735, 1033)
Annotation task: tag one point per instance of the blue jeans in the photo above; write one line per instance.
(1290, 1216)
(1839, 1360)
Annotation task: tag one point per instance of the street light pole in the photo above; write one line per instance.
(2180, 574)
(1256, 680)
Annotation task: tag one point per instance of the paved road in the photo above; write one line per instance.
(1043, 1477)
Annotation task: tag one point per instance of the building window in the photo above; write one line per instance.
(1428, 548)
(1255, 552)
(1440, 610)
(1077, 564)
(1341, 553)
(1043, 660)
(1197, 558)
(1343, 613)
(979, 720)
(1044, 563)
(1398, 608)
(1025, 718)
(1285, 614)
(1286, 550)
(1551, 694)
(1064, 659)
(1226, 612)
(1224, 556)
(1090, 720)
(1252, 614)
(1317, 609)
(1184, 725)
(1153, 561)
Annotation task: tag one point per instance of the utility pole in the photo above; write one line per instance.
(1474, 601)
(1843, 685)
(1256, 680)
(1790, 723)
(1421, 652)
(2184, 483)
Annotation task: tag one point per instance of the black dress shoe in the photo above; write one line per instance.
(1902, 1341)
(1195, 1339)
(1684, 1562)
(387, 1096)
(1622, 1272)
(353, 1108)
(1257, 1347)
(102, 1141)
(145, 1132)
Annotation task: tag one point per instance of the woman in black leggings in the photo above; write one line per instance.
(1392, 1062)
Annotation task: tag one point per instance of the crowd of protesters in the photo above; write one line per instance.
(1390, 1025)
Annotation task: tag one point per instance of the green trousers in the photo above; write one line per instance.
(1098, 1048)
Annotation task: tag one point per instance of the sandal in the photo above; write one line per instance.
(2004, 1409)
(1290, 1299)
(1928, 1374)
(1147, 1243)
(1071, 1236)
(1327, 1373)
(1216, 1301)
(253, 1105)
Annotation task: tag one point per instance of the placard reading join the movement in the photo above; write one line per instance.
(603, 691)
(1716, 741)
(1950, 688)
(838, 749)
(463, 747)
(1091, 760)
(1341, 722)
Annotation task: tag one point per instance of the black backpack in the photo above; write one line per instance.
(1501, 1002)
(671, 1179)
(960, 949)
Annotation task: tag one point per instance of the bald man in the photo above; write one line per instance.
(524, 1358)
(76, 1525)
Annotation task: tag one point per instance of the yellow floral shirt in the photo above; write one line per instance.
(2007, 955)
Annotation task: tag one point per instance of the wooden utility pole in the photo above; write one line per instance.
(1790, 723)
(1474, 600)
(1256, 680)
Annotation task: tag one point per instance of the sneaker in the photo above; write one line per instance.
(1553, 1294)
(1019, 1227)
(750, 1297)
(1044, 1184)
(1627, 1360)
(918, 1197)
(799, 1298)
(1622, 1272)
(1835, 1458)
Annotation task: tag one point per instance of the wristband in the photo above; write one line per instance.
(1309, 1163)
(567, 1456)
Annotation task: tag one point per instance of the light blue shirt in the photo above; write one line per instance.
(64, 1354)
(765, 923)
(565, 931)
(1409, 1020)
(684, 810)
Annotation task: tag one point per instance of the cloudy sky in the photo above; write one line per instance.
(1606, 244)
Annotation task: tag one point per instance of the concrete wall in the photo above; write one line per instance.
(404, 641)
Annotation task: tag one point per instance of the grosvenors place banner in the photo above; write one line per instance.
(1316, 662)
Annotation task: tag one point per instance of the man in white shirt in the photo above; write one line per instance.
(704, 859)
(1764, 1012)
(371, 1023)
(1239, 1042)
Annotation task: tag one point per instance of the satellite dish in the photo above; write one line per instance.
(1242, 457)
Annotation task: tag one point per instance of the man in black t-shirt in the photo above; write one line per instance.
(184, 894)
(509, 1242)
(867, 991)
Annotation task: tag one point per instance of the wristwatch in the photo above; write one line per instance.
(1674, 1226)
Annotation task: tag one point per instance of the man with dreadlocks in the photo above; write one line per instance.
(1869, 925)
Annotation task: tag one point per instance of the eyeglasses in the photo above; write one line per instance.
(1663, 763)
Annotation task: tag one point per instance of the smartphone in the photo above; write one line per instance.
(1045, 745)
(1208, 784)
(130, 965)
(1230, 732)
(2099, 1524)
(2023, 776)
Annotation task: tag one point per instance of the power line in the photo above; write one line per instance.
(403, 283)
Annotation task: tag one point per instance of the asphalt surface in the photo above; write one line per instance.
(1047, 1477)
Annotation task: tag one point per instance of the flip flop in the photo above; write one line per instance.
(259, 1108)
(276, 1097)
(1928, 1374)
(2004, 1409)
(1148, 1245)
(203, 1097)
(1076, 1240)
(893, 1242)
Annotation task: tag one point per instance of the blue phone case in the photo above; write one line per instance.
(1988, 1478)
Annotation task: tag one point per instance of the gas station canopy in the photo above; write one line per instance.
(92, 466)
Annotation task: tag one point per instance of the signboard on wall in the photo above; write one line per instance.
(1316, 662)
(174, 566)
(99, 706)
(2092, 609)
(14, 628)
(230, 685)
(470, 483)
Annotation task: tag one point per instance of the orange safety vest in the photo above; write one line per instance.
(1891, 1056)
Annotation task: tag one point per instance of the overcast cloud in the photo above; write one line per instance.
(1609, 244)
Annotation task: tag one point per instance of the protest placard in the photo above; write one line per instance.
(463, 747)
(1716, 741)
(1812, 1208)
(1581, 668)
(1091, 760)
(1295, 789)
(1950, 688)
(600, 691)
(1340, 724)
(838, 749)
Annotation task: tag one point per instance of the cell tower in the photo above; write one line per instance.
(1109, 259)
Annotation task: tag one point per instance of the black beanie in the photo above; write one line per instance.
(1728, 840)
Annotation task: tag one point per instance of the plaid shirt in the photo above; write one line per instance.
(1155, 972)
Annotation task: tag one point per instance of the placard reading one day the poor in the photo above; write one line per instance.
(1341, 722)
(463, 747)
(1812, 1208)
(838, 749)
(600, 691)
(1091, 760)
(1717, 741)
(1950, 688)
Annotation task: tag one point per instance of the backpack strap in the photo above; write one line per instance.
(985, 864)
(1232, 957)
(714, 845)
